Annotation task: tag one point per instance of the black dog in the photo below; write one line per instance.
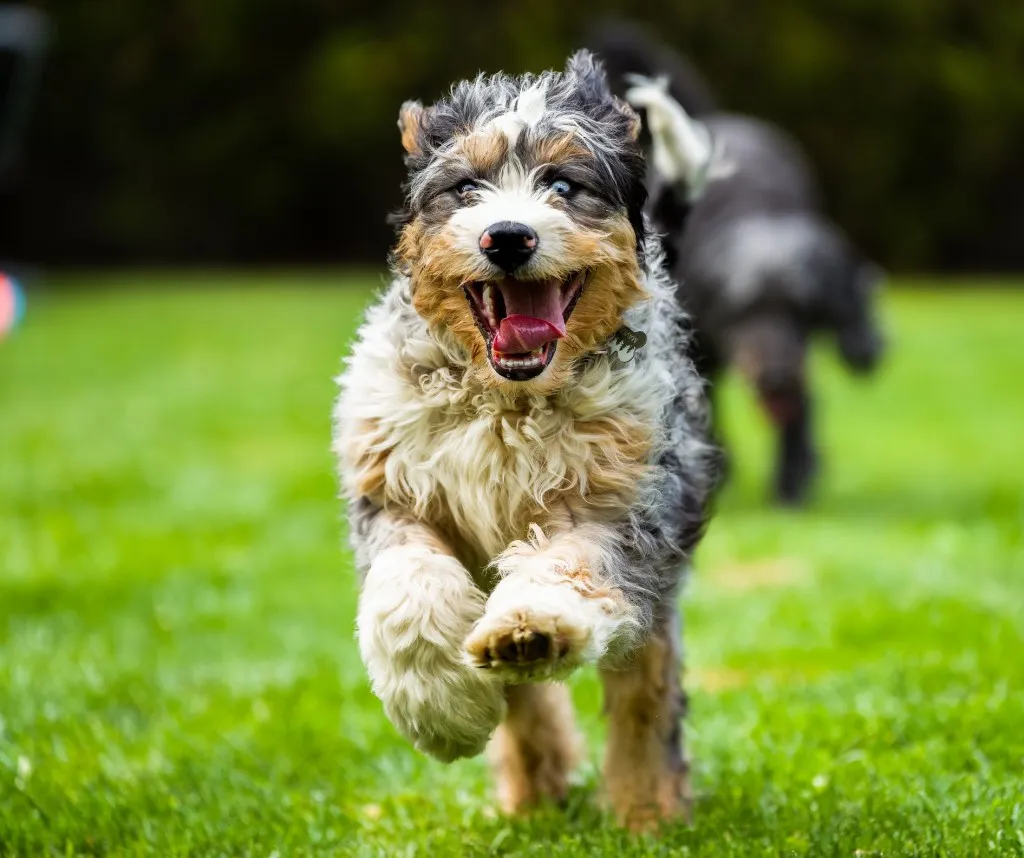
(761, 266)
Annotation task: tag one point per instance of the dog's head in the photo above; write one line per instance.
(523, 231)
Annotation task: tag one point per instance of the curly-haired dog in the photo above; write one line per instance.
(760, 266)
(526, 474)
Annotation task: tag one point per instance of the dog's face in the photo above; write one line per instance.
(523, 233)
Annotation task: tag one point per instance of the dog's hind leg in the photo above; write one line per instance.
(536, 746)
(646, 773)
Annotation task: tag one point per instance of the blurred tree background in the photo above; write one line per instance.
(249, 131)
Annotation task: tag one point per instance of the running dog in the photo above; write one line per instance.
(521, 438)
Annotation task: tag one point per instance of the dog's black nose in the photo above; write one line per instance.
(508, 244)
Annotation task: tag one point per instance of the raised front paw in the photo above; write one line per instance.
(540, 627)
(527, 644)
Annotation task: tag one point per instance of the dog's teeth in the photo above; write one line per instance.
(531, 361)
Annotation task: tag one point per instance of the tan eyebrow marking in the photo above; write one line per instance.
(484, 149)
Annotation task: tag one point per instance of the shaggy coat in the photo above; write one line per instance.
(517, 514)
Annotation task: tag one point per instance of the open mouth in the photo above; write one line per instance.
(523, 320)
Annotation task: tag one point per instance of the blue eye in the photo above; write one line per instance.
(466, 186)
(562, 187)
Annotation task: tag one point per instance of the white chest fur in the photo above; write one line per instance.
(413, 429)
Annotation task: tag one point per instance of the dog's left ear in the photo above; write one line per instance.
(410, 123)
(594, 90)
(591, 80)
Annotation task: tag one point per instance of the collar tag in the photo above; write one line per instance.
(624, 345)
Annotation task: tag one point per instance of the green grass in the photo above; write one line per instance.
(177, 666)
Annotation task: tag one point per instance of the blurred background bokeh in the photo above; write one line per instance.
(248, 131)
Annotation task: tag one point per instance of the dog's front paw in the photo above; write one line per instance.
(449, 715)
(526, 644)
(540, 624)
(414, 612)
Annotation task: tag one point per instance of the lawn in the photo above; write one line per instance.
(178, 673)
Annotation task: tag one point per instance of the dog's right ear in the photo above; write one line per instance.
(410, 124)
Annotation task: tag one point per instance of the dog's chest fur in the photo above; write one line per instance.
(417, 434)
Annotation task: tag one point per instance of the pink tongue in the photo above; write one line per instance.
(518, 334)
(534, 316)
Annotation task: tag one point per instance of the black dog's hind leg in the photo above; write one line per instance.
(797, 459)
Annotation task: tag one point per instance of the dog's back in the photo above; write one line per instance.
(759, 242)
(763, 170)
(758, 238)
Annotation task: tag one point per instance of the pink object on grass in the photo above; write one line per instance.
(12, 304)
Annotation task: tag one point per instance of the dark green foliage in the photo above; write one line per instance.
(253, 130)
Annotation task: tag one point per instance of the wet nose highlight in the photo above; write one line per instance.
(508, 244)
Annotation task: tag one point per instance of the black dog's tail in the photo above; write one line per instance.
(627, 48)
